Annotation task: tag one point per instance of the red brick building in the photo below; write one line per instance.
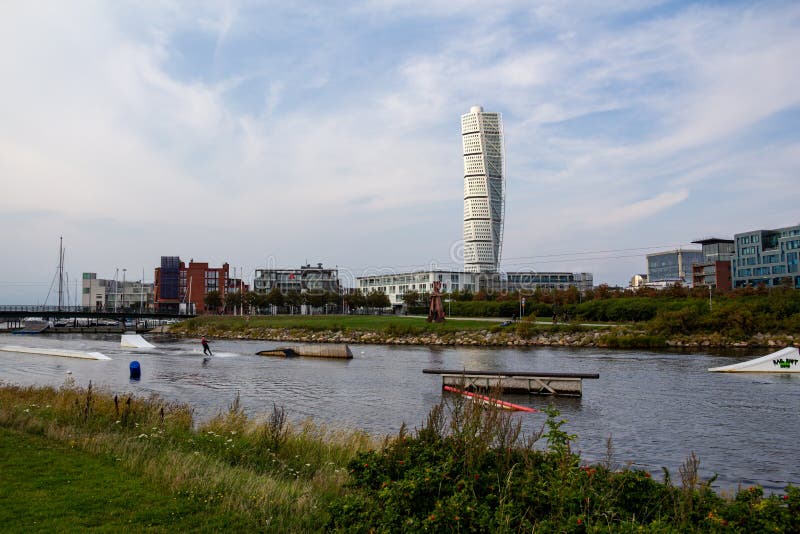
(183, 288)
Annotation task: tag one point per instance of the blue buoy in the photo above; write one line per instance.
(136, 371)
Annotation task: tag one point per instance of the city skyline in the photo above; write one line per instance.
(273, 136)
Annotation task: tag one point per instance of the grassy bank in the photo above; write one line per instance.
(332, 323)
(265, 475)
(51, 486)
(526, 332)
(74, 458)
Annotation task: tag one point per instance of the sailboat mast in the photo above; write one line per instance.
(60, 272)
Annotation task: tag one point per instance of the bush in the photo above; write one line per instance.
(469, 469)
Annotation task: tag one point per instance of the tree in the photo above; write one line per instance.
(233, 301)
(356, 299)
(315, 298)
(377, 299)
(275, 297)
(251, 300)
(411, 298)
(332, 297)
(293, 299)
(212, 300)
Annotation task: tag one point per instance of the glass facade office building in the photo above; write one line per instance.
(768, 257)
(672, 266)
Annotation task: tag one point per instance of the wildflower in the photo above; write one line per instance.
(117, 422)
(580, 522)
(308, 465)
(477, 477)
(142, 436)
(457, 518)
(431, 517)
(26, 410)
(366, 465)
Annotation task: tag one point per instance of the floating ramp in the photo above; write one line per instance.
(533, 383)
(135, 341)
(56, 352)
(784, 361)
(331, 350)
(33, 327)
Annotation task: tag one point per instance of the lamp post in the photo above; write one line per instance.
(123, 288)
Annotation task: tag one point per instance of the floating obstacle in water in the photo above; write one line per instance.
(534, 383)
(33, 327)
(135, 341)
(783, 361)
(490, 401)
(56, 352)
(331, 350)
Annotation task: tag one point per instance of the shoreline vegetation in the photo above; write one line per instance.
(93, 459)
(756, 317)
(527, 332)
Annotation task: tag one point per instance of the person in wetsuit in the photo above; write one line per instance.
(206, 348)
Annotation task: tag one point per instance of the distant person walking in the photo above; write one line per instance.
(206, 348)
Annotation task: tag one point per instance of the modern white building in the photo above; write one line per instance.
(395, 285)
(484, 189)
(109, 295)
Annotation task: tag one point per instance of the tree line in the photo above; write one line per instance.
(257, 303)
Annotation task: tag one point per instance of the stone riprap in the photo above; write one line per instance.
(619, 338)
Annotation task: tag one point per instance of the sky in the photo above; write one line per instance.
(268, 135)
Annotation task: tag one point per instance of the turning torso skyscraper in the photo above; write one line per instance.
(484, 189)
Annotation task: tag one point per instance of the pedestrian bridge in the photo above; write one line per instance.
(12, 313)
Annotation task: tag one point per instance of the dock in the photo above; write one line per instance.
(533, 383)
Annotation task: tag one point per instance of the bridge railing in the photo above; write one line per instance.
(36, 310)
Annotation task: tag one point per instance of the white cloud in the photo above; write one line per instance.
(110, 114)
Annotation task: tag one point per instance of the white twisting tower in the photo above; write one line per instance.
(484, 189)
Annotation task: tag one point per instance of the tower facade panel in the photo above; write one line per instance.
(484, 189)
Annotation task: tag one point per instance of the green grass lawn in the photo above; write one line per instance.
(49, 487)
(378, 323)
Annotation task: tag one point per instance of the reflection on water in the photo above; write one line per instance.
(657, 407)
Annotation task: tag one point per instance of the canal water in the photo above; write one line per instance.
(657, 407)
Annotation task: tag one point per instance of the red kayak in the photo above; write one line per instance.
(492, 402)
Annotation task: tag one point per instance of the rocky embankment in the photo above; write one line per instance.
(618, 338)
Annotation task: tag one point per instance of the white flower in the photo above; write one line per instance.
(142, 436)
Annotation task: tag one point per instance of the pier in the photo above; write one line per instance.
(533, 383)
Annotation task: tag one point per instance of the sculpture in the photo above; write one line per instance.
(436, 311)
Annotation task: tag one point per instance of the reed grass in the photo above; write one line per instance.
(281, 484)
